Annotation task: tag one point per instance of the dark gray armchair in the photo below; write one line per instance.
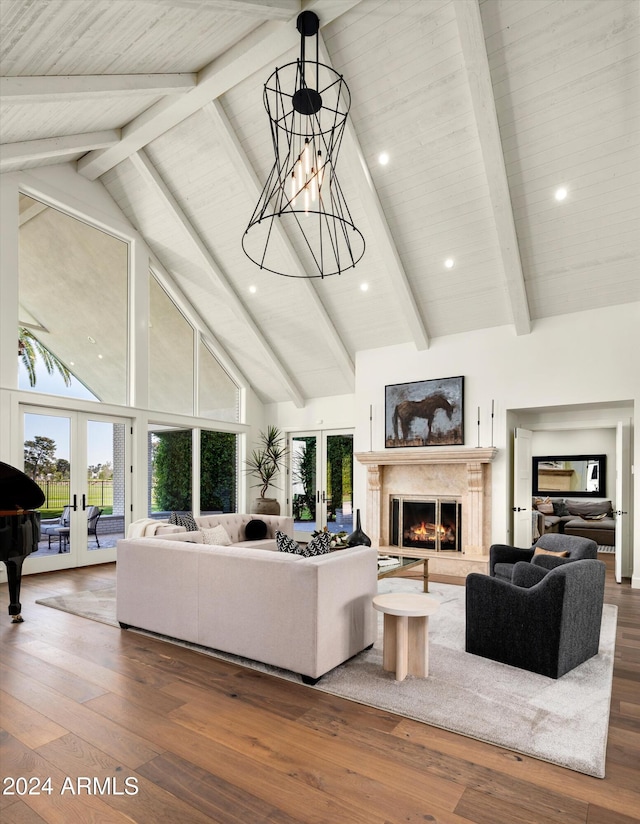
(503, 558)
(544, 621)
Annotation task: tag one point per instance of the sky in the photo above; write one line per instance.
(99, 433)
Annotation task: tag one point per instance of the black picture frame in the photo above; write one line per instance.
(424, 413)
(588, 478)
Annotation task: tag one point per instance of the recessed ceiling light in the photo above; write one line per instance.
(364, 287)
(383, 158)
(100, 356)
(90, 339)
(71, 363)
(561, 193)
(253, 289)
(449, 263)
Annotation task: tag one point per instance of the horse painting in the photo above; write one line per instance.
(407, 411)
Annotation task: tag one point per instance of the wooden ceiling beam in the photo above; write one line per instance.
(270, 9)
(238, 157)
(51, 89)
(261, 47)
(352, 157)
(154, 181)
(51, 147)
(479, 78)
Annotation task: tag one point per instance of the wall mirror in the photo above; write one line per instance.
(575, 476)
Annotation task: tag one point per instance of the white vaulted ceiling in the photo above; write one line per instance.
(485, 109)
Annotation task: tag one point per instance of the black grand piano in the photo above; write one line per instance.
(19, 528)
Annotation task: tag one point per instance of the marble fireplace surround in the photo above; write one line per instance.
(464, 472)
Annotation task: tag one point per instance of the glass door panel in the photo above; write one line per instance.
(321, 482)
(47, 460)
(305, 495)
(338, 491)
(79, 461)
(104, 501)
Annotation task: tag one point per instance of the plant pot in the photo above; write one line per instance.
(266, 506)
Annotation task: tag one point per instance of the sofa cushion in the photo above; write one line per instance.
(591, 523)
(585, 509)
(217, 535)
(184, 519)
(255, 530)
(265, 543)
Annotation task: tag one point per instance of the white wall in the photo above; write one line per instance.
(563, 362)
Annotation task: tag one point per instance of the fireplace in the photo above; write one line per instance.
(426, 523)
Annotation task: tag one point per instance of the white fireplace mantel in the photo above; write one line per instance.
(473, 492)
(435, 455)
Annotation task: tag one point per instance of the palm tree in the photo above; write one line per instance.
(29, 347)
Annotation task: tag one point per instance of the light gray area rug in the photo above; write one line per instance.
(562, 721)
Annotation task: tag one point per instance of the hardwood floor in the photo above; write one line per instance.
(205, 741)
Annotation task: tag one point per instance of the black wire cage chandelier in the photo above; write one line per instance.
(307, 103)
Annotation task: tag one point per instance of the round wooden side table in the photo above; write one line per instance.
(405, 644)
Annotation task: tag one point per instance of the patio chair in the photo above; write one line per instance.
(93, 516)
(58, 528)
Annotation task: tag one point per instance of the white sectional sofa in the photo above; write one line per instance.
(307, 615)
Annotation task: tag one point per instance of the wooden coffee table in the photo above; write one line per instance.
(405, 648)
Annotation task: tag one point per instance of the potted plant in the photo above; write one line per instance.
(264, 464)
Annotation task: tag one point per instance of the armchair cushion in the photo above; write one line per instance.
(527, 575)
(503, 557)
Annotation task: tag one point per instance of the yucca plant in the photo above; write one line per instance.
(266, 462)
(29, 347)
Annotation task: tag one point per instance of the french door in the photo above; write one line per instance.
(79, 460)
(321, 481)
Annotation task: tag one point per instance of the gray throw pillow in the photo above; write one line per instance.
(560, 508)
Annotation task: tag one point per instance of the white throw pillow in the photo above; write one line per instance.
(217, 535)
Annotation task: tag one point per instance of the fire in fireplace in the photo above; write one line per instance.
(432, 523)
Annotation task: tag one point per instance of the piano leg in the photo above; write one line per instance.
(14, 578)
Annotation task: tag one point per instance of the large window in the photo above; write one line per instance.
(170, 354)
(218, 471)
(73, 293)
(171, 471)
(217, 393)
